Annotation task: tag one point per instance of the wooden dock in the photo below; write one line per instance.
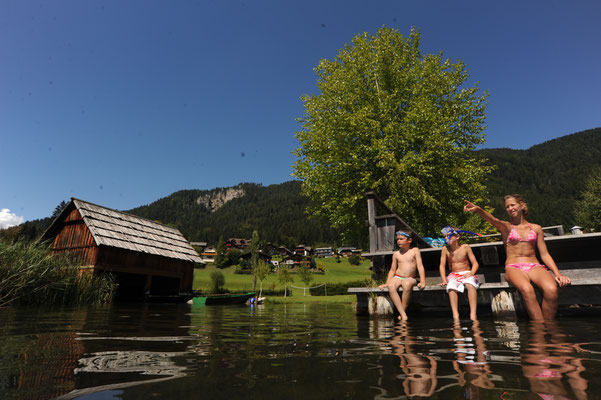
(497, 298)
(577, 256)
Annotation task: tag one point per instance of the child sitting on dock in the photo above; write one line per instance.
(462, 267)
(405, 262)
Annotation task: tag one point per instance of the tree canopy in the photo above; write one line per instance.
(588, 209)
(391, 120)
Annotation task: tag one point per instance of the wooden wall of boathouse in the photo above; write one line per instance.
(75, 238)
(138, 274)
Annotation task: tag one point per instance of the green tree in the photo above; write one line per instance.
(284, 277)
(305, 275)
(232, 257)
(261, 271)
(391, 120)
(255, 245)
(217, 281)
(58, 209)
(588, 210)
(220, 256)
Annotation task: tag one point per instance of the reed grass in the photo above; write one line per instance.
(31, 275)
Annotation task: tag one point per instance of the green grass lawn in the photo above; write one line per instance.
(335, 273)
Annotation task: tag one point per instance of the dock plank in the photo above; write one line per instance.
(584, 289)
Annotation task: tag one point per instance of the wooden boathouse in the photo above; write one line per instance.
(147, 259)
(576, 255)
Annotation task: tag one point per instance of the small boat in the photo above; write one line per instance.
(223, 299)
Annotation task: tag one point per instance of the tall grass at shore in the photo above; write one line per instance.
(31, 275)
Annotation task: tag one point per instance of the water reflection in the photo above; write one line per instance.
(419, 371)
(293, 352)
(157, 367)
(472, 360)
(37, 354)
(549, 365)
(70, 353)
(551, 360)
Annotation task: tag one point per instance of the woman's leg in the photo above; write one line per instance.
(521, 281)
(545, 281)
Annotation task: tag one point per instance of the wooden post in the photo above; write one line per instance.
(147, 286)
(503, 306)
(371, 220)
(380, 305)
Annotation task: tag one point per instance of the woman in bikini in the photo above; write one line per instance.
(522, 268)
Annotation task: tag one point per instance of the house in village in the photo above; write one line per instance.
(145, 257)
(348, 251)
(207, 253)
(303, 250)
(284, 252)
(236, 243)
(260, 254)
(269, 248)
(324, 252)
(296, 260)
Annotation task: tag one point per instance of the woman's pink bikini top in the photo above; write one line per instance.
(514, 236)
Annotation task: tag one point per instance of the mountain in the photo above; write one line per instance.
(275, 211)
(551, 177)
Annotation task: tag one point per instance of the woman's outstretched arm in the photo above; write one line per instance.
(501, 226)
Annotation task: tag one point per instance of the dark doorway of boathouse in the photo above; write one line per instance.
(137, 287)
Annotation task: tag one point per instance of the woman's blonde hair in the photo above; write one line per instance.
(519, 199)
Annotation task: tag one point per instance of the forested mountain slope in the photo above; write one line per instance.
(550, 175)
(276, 211)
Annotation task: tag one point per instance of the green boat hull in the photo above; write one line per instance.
(223, 299)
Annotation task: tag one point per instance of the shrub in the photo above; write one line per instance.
(321, 267)
(217, 281)
(242, 270)
(333, 289)
(274, 292)
(355, 259)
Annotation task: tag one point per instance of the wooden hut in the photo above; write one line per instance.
(146, 258)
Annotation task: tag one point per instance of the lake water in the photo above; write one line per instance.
(317, 351)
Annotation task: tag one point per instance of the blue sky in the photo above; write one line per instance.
(123, 102)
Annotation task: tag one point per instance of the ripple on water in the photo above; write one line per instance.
(290, 351)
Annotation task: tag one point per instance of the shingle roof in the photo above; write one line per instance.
(117, 229)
